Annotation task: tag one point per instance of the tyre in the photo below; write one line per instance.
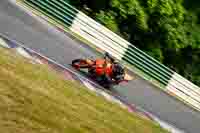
(80, 63)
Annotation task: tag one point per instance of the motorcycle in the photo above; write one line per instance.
(95, 70)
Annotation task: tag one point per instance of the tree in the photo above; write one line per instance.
(108, 19)
(168, 30)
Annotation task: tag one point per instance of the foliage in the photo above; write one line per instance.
(168, 30)
(108, 19)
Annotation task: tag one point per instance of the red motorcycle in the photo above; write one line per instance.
(98, 70)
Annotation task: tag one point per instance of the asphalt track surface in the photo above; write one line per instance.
(52, 43)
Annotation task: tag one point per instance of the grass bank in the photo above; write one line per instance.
(34, 99)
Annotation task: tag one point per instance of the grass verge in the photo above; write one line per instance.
(34, 99)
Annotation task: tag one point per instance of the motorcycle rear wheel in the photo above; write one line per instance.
(80, 63)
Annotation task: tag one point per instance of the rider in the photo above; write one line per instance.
(117, 70)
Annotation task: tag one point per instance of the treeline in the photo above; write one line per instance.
(168, 30)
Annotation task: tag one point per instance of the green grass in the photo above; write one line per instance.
(34, 99)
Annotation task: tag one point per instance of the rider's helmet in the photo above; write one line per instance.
(108, 56)
(118, 70)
